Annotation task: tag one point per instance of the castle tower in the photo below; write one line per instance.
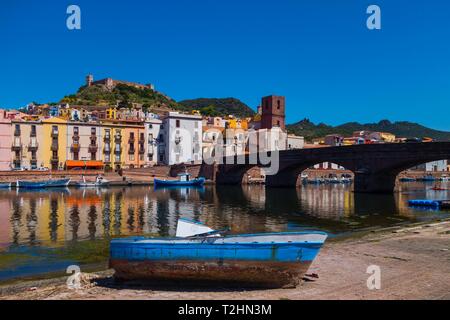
(89, 80)
(273, 112)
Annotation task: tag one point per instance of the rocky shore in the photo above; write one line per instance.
(414, 262)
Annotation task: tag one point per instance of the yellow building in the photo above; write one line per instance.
(54, 143)
(111, 113)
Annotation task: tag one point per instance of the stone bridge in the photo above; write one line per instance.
(375, 166)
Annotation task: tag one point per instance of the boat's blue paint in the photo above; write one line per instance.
(58, 183)
(193, 182)
(31, 184)
(425, 203)
(132, 249)
(5, 185)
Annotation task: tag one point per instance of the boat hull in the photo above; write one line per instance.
(31, 185)
(58, 183)
(175, 183)
(267, 274)
(271, 260)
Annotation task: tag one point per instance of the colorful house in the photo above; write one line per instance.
(54, 143)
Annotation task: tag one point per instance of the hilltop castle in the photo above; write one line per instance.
(111, 83)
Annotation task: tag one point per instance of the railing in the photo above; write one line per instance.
(16, 147)
(33, 146)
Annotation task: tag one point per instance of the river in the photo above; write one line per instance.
(43, 232)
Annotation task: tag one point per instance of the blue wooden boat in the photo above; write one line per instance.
(200, 255)
(5, 185)
(31, 184)
(425, 203)
(58, 183)
(407, 179)
(183, 180)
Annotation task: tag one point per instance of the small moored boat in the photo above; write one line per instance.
(58, 183)
(5, 185)
(99, 182)
(201, 255)
(184, 179)
(31, 184)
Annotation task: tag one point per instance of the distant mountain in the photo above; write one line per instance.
(401, 129)
(218, 107)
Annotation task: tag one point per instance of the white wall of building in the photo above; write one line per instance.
(183, 138)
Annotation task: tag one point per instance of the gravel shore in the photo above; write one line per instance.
(414, 264)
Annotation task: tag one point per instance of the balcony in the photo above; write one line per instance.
(107, 149)
(33, 146)
(117, 150)
(132, 151)
(16, 147)
(54, 161)
(33, 163)
(93, 148)
(75, 147)
(118, 139)
(33, 133)
(76, 137)
(107, 139)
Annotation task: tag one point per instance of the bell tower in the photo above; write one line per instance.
(89, 80)
(273, 112)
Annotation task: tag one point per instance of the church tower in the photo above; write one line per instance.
(273, 112)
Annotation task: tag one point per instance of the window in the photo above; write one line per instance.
(117, 158)
(75, 130)
(141, 137)
(278, 122)
(132, 157)
(76, 156)
(33, 129)
(93, 156)
(93, 131)
(141, 157)
(150, 126)
(107, 158)
(278, 104)
(107, 134)
(17, 127)
(177, 123)
(161, 138)
(196, 124)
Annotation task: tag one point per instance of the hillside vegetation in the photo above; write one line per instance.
(218, 107)
(402, 129)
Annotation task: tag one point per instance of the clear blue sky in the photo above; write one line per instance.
(318, 53)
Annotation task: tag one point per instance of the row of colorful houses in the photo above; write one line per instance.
(56, 143)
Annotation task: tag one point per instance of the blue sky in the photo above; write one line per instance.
(319, 54)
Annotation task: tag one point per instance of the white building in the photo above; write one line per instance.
(435, 166)
(155, 147)
(295, 142)
(182, 136)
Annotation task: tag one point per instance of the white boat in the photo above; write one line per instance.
(99, 182)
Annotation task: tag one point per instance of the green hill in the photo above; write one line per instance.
(401, 129)
(123, 95)
(218, 107)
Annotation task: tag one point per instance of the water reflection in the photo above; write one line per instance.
(62, 218)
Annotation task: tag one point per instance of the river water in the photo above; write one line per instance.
(43, 232)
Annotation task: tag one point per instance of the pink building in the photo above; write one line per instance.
(5, 141)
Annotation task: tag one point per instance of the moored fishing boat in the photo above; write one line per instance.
(31, 184)
(183, 180)
(58, 183)
(99, 183)
(200, 255)
(5, 185)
